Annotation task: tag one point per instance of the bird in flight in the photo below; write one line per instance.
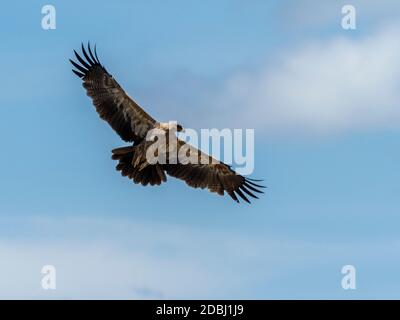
(133, 124)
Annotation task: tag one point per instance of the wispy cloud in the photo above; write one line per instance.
(317, 15)
(97, 258)
(113, 258)
(326, 86)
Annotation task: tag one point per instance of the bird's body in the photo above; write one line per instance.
(133, 125)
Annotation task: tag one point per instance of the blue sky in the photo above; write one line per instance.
(324, 105)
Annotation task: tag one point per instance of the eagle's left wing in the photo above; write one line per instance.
(214, 175)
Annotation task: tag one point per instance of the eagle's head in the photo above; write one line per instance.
(172, 125)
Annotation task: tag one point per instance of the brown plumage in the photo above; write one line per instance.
(132, 124)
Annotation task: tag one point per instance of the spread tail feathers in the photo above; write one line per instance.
(150, 174)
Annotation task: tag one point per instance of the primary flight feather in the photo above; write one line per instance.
(132, 124)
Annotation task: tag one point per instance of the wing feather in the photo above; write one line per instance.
(214, 175)
(113, 105)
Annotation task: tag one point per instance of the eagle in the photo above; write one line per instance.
(133, 124)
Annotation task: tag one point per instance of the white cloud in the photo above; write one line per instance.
(99, 258)
(316, 15)
(343, 84)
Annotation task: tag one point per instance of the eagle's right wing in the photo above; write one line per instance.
(113, 105)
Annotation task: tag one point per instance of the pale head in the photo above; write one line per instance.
(171, 125)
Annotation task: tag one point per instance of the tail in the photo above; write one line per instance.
(152, 174)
